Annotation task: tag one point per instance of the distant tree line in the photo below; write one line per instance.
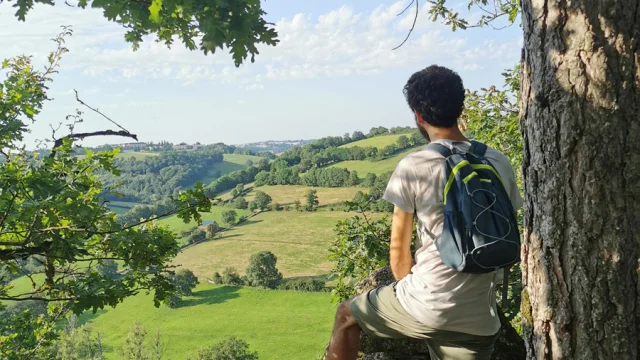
(156, 177)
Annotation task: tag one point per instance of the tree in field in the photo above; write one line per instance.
(184, 281)
(230, 277)
(232, 348)
(157, 347)
(416, 139)
(261, 201)
(234, 193)
(229, 217)
(353, 178)
(196, 236)
(240, 187)
(134, 346)
(238, 25)
(51, 208)
(358, 135)
(240, 203)
(212, 229)
(403, 142)
(262, 271)
(312, 200)
(370, 180)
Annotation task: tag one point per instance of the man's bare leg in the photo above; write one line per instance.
(345, 340)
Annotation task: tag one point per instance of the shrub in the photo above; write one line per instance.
(229, 217)
(307, 285)
(173, 301)
(262, 271)
(197, 236)
(230, 277)
(229, 349)
(217, 278)
(276, 207)
(240, 203)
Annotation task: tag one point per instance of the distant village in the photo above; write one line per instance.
(275, 146)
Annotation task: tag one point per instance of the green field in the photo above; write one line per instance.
(231, 163)
(377, 142)
(288, 194)
(121, 207)
(137, 155)
(364, 167)
(215, 214)
(300, 240)
(276, 324)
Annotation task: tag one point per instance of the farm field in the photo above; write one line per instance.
(363, 167)
(377, 142)
(300, 240)
(276, 324)
(231, 163)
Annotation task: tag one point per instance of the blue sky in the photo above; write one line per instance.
(333, 72)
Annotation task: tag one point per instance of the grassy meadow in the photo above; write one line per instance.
(364, 167)
(300, 240)
(231, 163)
(288, 194)
(276, 324)
(377, 142)
(137, 155)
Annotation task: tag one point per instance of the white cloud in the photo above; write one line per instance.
(339, 43)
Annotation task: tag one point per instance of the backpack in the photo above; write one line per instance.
(480, 232)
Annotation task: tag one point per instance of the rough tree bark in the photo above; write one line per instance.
(580, 115)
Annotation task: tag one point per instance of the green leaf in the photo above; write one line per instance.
(154, 11)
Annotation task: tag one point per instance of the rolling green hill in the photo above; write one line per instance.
(276, 324)
(288, 194)
(378, 141)
(300, 240)
(137, 155)
(231, 163)
(364, 167)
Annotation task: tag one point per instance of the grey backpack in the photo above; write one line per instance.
(480, 232)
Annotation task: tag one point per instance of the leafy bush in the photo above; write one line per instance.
(229, 217)
(240, 203)
(217, 278)
(307, 285)
(173, 301)
(229, 349)
(262, 271)
(230, 277)
(197, 236)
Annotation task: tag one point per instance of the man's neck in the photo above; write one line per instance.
(453, 134)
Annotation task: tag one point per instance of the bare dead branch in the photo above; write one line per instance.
(81, 136)
(415, 19)
(97, 111)
(407, 8)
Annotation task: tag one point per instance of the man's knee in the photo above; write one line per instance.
(344, 314)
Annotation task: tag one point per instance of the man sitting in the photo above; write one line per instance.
(454, 312)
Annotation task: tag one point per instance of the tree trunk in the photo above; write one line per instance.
(580, 117)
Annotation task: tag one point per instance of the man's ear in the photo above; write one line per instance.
(419, 118)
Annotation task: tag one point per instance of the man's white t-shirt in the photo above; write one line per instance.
(434, 294)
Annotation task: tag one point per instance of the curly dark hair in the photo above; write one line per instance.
(437, 94)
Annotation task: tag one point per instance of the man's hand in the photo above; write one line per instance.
(400, 250)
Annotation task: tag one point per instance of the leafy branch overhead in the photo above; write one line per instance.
(53, 212)
(207, 25)
(489, 13)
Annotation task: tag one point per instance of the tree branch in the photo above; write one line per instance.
(97, 111)
(81, 136)
(415, 19)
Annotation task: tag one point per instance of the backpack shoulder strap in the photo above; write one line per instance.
(440, 149)
(477, 148)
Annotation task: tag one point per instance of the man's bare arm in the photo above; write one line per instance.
(400, 251)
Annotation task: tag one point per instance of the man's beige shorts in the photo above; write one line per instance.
(379, 314)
